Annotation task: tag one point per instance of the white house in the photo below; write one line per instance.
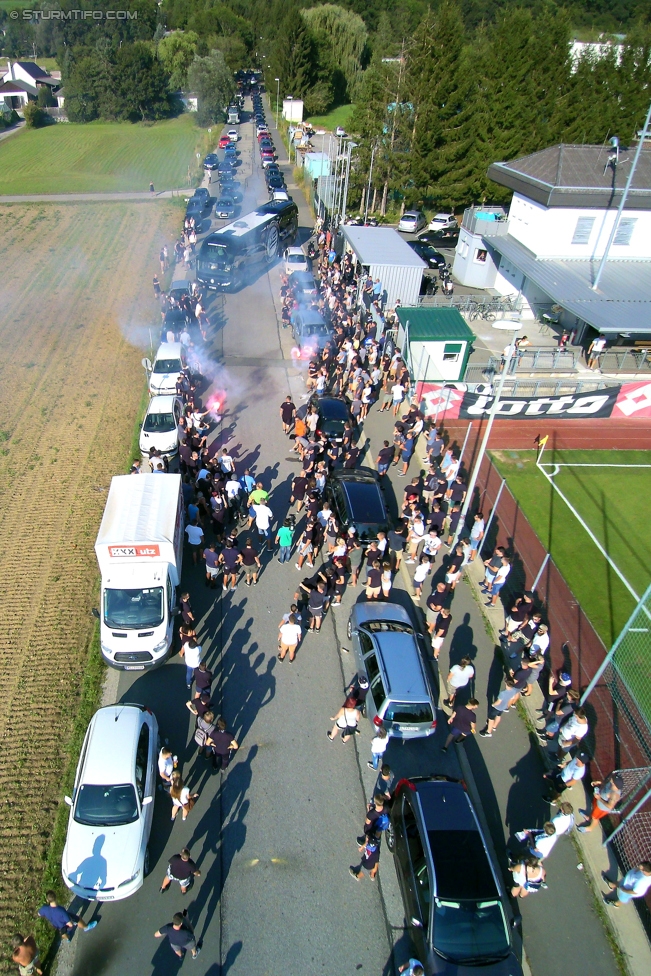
(20, 83)
(548, 247)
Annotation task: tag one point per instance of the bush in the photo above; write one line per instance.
(45, 98)
(35, 117)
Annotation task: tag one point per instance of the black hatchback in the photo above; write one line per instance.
(357, 501)
(455, 904)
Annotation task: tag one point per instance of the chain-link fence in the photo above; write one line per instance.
(633, 842)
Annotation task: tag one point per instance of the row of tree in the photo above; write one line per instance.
(454, 100)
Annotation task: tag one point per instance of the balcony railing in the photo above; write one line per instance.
(488, 221)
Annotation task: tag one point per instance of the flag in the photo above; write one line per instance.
(543, 440)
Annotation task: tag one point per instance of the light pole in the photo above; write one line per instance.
(504, 325)
(277, 98)
(370, 177)
(321, 132)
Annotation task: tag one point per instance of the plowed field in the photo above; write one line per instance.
(76, 280)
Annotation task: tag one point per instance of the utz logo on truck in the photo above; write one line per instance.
(121, 551)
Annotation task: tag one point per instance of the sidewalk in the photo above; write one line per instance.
(507, 771)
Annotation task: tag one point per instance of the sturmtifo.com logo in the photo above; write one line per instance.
(74, 14)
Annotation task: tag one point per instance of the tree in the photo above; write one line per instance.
(345, 34)
(82, 90)
(34, 116)
(292, 56)
(211, 79)
(45, 98)
(176, 53)
(141, 84)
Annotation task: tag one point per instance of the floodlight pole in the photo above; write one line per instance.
(484, 443)
(622, 202)
(277, 80)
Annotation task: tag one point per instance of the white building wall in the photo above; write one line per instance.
(398, 282)
(548, 231)
(473, 264)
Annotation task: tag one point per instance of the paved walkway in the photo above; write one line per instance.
(94, 197)
(19, 126)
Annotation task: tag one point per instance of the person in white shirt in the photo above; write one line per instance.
(263, 517)
(459, 676)
(379, 745)
(184, 338)
(166, 766)
(226, 462)
(540, 842)
(562, 779)
(194, 533)
(571, 733)
(564, 819)
(540, 643)
(289, 634)
(191, 653)
(634, 884)
(423, 570)
(498, 581)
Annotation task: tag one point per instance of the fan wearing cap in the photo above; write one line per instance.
(358, 690)
(607, 794)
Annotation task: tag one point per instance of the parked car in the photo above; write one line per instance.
(440, 238)
(106, 857)
(176, 319)
(223, 142)
(428, 254)
(459, 916)
(230, 152)
(225, 207)
(296, 260)
(412, 221)
(233, 135)
(211, 161)
(357, 500)
(276, 182)
(443, 221)
(179, 288)
(387, 649)
(310, 331)
(203, 193)
(269, 163)
(280, 195)
(261, 126)
(160, 426)
(333, 414)
(198, 207)
(304, 287)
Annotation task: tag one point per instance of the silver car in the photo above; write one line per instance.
(412, 221)
(387, 649)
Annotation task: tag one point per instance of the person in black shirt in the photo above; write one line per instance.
(203, 679)
(455, 515)
(462, 723)
(223, 743)
(287, 411)
(201, 704)
(181, 868)
(440, 631)
(180, 934)
(437, 518)
(384, 458)
(397, 541)
(315, 604)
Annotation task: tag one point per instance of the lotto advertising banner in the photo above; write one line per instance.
(630, 401)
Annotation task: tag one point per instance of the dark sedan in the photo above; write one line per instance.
(211, 161)
(357, 501)
(198, 207)
(431, 257)
(276, 183)
(440, 238)
(333, 414)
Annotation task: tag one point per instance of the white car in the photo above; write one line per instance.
(296, 260)
(261, 127)
(443, 221)
(412, 221)
(280, 195)
(105, 857)
(160, 426)
(340, 132)
(166, 368)
(233, 135)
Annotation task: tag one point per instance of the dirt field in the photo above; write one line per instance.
(76, 279)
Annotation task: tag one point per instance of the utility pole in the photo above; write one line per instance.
(370, 177)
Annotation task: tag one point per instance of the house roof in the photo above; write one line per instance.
(379, 246)
(33, 69)
(432, 324)
(14, 88)
(577, 176)
(622, 305)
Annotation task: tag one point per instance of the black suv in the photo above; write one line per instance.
(455, 904)
(357, 501)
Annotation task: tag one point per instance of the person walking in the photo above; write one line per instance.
(166, 766)
(284, 538)
(230, 560)
(346, 721)
(528, 876)
(370, 862)
(379, 744)
(156, 284)
(263, 519)
(251, 563)
(462, 723)
(192, 655)
(376, 818)
(316, 606)
(634, 884)
(606, 795)
(25, 955)
(180, 935)
(181, 797)
(495, 711)
(211, 558)
(223, 743)
(287, 414)
(289, 635)
(182, 869)
(61, 919)
(458, 677)
(441, 628)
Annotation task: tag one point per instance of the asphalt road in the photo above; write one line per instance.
(275, 835)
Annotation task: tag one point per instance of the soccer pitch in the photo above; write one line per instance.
(592, 512)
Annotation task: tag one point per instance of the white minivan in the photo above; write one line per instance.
(166, 368)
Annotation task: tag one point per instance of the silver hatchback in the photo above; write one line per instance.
(386, 649)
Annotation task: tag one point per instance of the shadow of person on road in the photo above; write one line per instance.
(525, 806)
(165, 961)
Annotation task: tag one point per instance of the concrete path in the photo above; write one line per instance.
(95, 197)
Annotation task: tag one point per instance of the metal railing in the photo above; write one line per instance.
(495, 226)
(469, 304)
(534, 386)
(625, 361)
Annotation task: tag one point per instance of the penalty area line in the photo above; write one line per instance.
(587, 528)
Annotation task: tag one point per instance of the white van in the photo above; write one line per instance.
(166, 368)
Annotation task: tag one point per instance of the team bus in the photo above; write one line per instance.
(238, 251)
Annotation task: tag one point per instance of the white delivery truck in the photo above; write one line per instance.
(139, 549)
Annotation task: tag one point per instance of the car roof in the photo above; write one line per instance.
(461, 864)
(169, 350)
(333, 408)
(365, 500)
(180, 285)
(295, 250)
(412, 213)
(113, 737)
(309, 316)
(384, 611)
(403, 666)
(161, 404)
(358, 474)
(303, 277)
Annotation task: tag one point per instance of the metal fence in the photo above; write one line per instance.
(534, 386)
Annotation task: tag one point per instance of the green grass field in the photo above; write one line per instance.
(101, 157)
(613, 502)
(338, 116)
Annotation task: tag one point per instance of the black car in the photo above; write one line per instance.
(357, 500)
(198, 208)
(429, 255)
(211, 161)
(333, 414)
(203, 193)
(225, 207)
(226, 166)
(440, 238)
(276, 183)
(272, 169)
(455, 904)
(176, 319)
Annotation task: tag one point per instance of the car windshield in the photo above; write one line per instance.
(159, 423)
(133, 609)
(167, 366)
(106, 806)
(470, 931)
(413, 713)
(392, 626)
(296, 259)
(314, 329)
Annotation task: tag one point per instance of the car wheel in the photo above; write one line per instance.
(145, 863)
(349, 630)
(391, 838)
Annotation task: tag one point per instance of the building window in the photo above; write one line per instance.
(583, 230)
(480, 255)
(451, 352)
(625, 230)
